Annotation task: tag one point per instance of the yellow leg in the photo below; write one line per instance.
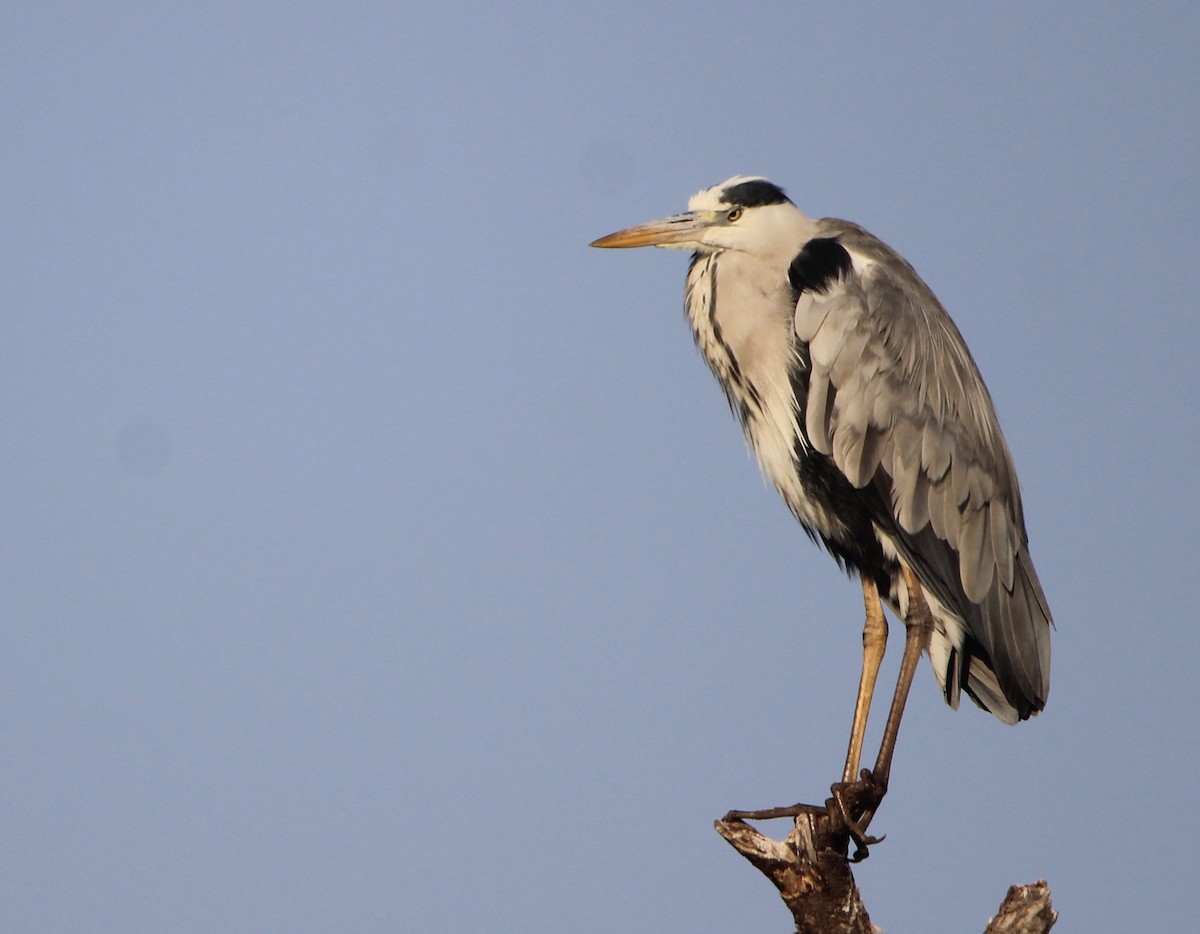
(918, 624)
(875, 633)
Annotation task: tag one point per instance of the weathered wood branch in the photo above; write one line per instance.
(811, 870)
(1025, 910)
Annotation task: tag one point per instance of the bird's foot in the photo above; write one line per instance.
(854, 805)
(847, 813)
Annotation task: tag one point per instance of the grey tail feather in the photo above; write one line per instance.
(983, 688)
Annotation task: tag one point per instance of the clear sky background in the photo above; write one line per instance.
(377, 557)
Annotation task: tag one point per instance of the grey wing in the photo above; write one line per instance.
(897, 402)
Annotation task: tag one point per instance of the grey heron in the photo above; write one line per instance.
(867, 412)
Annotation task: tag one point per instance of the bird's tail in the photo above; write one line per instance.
(1005, 668)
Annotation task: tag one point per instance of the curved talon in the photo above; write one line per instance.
(857, 828)
(861, 852)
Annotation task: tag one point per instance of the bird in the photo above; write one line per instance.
(866, 411)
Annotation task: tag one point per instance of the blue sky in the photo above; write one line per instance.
(378, 557)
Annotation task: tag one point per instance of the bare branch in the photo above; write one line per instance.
(812, 873)
(810, 870)
(1026, 909)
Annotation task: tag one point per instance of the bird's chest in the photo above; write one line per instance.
(741, 316)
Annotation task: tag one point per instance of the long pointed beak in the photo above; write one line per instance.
(677, 229)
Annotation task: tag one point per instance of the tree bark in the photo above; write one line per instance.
(810, 870)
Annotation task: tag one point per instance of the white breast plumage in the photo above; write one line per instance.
(748, 341)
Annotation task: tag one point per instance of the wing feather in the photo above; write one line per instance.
(975, 565)
(896, 401)
(936, 447)
(817, 414)
(910, 486)
(937, 511)
(1003, 545)
(811, 312)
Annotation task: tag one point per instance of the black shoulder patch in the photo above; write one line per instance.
(816, 267)
(754, 194)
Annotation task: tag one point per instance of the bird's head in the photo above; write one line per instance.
(745, 213)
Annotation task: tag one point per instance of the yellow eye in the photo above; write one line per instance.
(733, 215)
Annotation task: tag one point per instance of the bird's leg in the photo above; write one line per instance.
(875, 633)
(872, 785)
(918, 622)
(855, 801)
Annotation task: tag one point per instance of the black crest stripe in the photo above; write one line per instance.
(754, 194)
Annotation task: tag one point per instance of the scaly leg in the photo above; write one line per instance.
(918, 624)
(861, 796)
(875, 633)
